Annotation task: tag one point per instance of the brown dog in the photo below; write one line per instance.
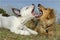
(46, 25)
(46, 22)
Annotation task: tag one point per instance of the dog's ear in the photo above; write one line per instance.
(51, 14)
(52, 9)
(16, 11)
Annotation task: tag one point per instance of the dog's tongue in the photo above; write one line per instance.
(36, 14)
(33, 13)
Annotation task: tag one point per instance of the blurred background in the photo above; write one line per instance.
(6, 5)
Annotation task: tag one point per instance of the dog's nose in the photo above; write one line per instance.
(32, 4)
(39, 5)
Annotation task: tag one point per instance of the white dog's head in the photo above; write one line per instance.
(27, 11)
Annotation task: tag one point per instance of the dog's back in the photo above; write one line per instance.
(6, 21)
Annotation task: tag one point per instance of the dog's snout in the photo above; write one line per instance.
(39, 5)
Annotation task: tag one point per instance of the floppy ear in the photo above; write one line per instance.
(51, 14)
(16, 11)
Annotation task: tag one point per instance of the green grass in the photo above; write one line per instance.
(7, 35)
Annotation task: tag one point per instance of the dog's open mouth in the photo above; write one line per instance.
(33, 11)
(37, 15)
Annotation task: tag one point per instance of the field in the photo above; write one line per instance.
(7, 35)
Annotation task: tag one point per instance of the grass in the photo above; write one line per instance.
(7, 35)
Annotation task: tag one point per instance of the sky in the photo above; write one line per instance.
(8, 4)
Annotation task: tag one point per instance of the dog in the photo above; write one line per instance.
(44, 23)
(16, 23)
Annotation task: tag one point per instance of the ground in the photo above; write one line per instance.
(7, 35)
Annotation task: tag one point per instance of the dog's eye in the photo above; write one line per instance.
(45, 8)
(27, 8)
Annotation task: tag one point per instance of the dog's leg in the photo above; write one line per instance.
(31, 31)
(51, 32)
(50, 35)
(19, 29)
(23, 31)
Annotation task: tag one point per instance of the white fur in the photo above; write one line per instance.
(16, 24)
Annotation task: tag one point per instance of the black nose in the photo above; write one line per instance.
(32, 4)
(39, 5)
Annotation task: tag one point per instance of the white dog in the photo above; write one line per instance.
(16, 24)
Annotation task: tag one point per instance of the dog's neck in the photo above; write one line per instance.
(24, 19)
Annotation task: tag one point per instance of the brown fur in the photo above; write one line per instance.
(32, 23)
(4, 14)
(48, 17)
(46, 23)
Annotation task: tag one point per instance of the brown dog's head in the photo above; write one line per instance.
(45, 12)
